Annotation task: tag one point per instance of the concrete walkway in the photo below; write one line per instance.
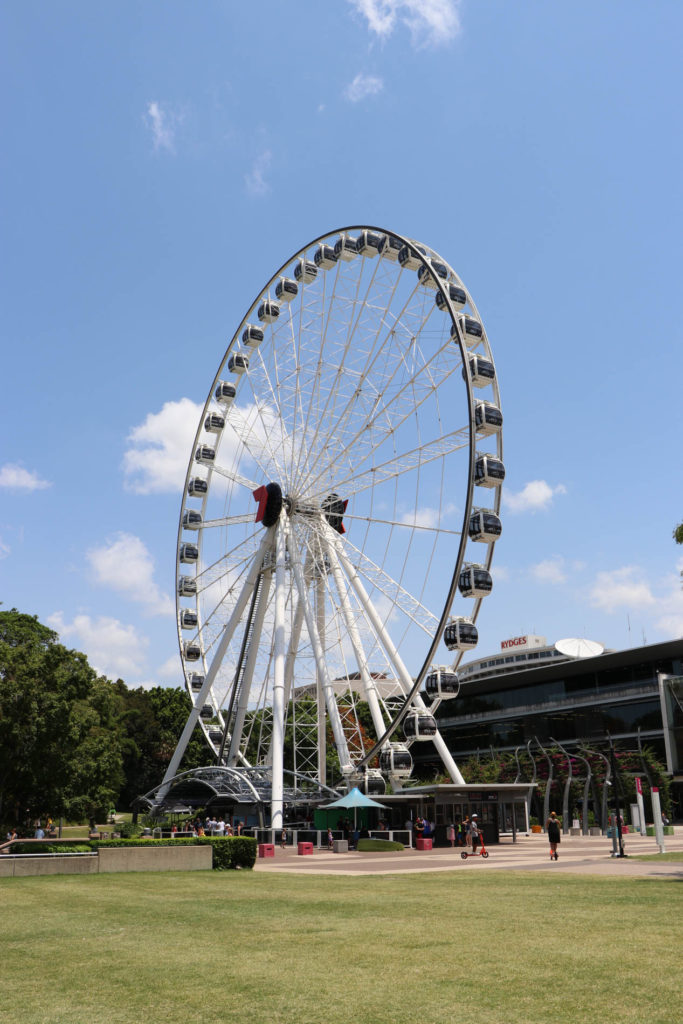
(577, 855)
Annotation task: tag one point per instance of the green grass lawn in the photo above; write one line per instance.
(237, 946)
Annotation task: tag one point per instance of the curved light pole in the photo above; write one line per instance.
(546, 799)
(567, 788)
(607, 783)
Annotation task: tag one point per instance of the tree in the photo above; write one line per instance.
(678, 534)
(59, 736)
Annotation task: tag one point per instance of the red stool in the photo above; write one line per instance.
(266, 850)
(423, 844)
(303, 849)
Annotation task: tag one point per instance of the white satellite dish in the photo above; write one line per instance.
(579, 648)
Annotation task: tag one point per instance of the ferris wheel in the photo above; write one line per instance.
(339, 516)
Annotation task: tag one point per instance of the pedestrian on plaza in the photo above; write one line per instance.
(552, 827)
(466, 830)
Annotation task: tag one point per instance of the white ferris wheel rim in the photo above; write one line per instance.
(285, 437)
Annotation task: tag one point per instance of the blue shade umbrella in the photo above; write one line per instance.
(355, 799)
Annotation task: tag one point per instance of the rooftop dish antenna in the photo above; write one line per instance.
(579, 648)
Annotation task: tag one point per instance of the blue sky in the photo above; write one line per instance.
(160, 161)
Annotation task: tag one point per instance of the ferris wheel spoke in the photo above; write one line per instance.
(235, 477)
(404, 463)
(361, 445)
(393, 591)
(247, 517)
(378, 348)
(242, 686)
(406, 524)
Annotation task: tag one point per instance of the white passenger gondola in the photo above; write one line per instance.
(187, 586)
(482, 371)
(489, 471)
(373, 783)
(484, 526)
(197, 486)
(395, 759)
(419, 725)
(470, 329)
(225, 393)
(408, 258)
(370, 243)
(191, 651)
(216, 736)
(188, 619)
(456, 294)
(252, 336)
(391, 248)
(214, 423)
(305, 271)
(205, 455)
(460, 634)
(442, 683)
(475, 580)
(189, 553)
(346, 247)
(488, 419)
(196, 682)
(207, 712)
(325, 257)
(286, 289)
(427, 275)
(238, 363)
(268, 312)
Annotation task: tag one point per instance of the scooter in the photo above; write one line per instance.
(480, 853)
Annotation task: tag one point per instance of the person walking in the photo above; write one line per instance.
(552, 827)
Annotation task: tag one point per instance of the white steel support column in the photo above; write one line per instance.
(279, 653)
(330, 698)
(252, 654)
(320, 694)
(193, 717)
(393, 655)
(369, 688)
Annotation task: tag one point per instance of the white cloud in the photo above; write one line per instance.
(112, 648)
(4, 550)
(550, 570)
(161, 448)
(172, 669)
(125, 564)
(162, 124)
(621, 588)
(500, 573)
(427, 516)
(16, 478)
(534, 496)
(255, 179)
(431, 22)
(362, 86)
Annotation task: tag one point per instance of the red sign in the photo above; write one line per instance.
(517, 641)
(639, 785)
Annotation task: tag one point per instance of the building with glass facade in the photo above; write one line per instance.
(512, 698)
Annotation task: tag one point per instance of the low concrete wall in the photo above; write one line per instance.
(109, 860)
(159, 858)
(23, 867)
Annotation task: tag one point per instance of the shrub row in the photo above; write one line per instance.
(375, 845)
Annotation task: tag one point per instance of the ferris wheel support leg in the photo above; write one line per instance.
(330, 698)
(369, 688)
(228, 632)
(320, 692)
(279, 645)
(243, 701)
(394, 657)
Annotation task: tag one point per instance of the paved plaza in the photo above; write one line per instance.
(578, 855)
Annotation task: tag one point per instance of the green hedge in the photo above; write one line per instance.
(51, 848)
(377, 845)
(668, 830)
